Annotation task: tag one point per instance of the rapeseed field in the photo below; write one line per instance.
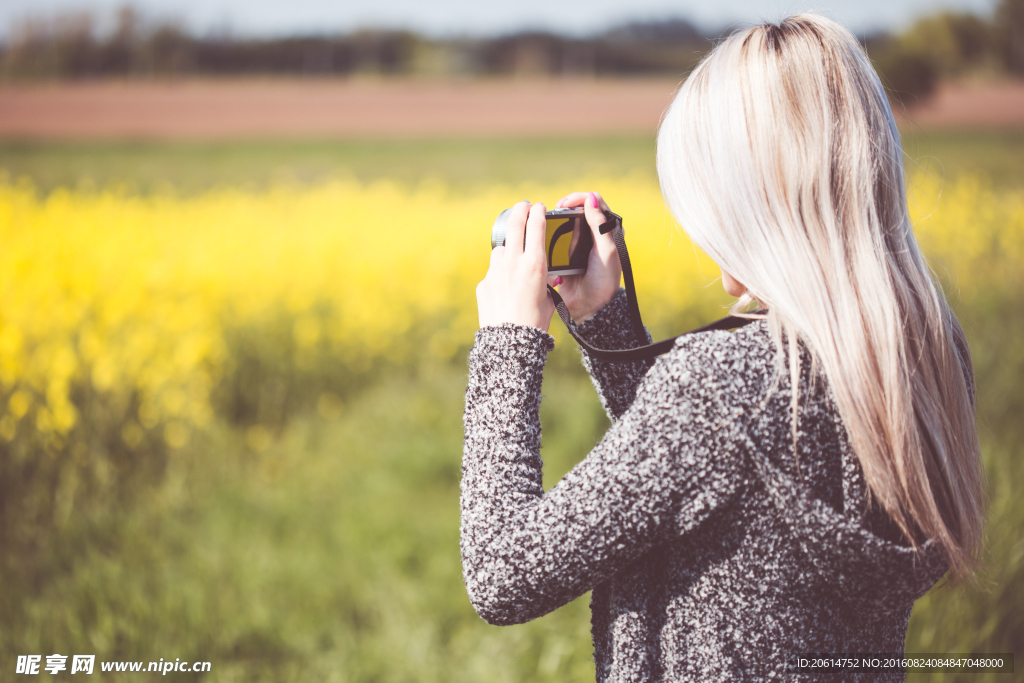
(132, 294)
(140, 331)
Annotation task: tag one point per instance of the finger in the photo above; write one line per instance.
(596, 218)
(580, 199)
(548, 309)
(573, 200)
(496, 255)
(515, 229)
(535, 228)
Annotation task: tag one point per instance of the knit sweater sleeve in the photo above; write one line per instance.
(611, 328)
(663, 467)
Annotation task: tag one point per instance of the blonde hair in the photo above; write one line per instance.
(781, 159)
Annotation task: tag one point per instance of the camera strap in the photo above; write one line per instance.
(614, 226)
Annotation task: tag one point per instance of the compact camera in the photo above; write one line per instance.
(567, 241)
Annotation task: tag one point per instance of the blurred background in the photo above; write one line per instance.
(238, 248)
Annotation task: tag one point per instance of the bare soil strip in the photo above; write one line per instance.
(240, 109)
(998, 105)
(330, 108)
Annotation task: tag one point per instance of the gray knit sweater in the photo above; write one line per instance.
(712, 549)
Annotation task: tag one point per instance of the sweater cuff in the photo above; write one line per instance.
(508, 340)
(506, 368)
(612, 326)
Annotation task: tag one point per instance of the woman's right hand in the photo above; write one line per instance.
(586, 294)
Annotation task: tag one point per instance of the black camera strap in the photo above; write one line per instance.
(614, 226)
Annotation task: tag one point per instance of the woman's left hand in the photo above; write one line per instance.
(515, 287)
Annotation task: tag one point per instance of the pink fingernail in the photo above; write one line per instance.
(558, 280)
(592, 200)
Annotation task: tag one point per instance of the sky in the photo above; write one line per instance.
(443, 18)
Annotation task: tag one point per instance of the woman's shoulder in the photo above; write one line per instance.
(719, 357)
(719, 375)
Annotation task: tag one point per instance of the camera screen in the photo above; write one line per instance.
(567, 245)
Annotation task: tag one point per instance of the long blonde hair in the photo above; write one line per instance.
(781, 159)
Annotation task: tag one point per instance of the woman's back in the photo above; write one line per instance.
(714, 552)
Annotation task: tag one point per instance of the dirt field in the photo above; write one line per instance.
(968, 105)
(294, 108)
(207, 109)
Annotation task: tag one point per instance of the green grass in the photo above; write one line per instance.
(193, 167)
(999, 156)
(330, 556)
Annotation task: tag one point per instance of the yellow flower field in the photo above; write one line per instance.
(132, 292)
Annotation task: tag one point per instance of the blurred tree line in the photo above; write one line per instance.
(951, 45)
(70, 47)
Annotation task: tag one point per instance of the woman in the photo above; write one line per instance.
(790, 487)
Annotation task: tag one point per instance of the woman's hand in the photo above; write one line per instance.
(515, 287)
(586, 294)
